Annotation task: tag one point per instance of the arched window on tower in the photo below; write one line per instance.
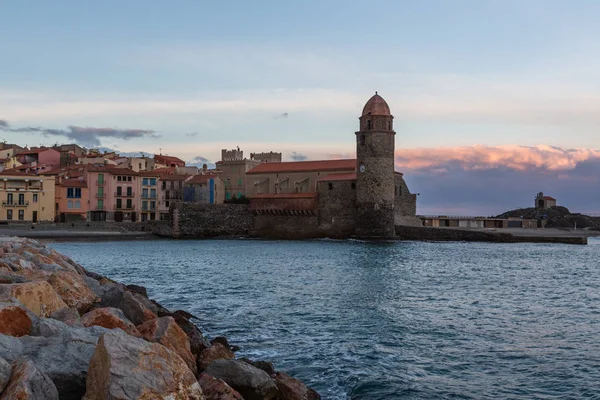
(362, 140)
(369, 125)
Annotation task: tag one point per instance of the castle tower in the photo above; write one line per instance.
(375, 171)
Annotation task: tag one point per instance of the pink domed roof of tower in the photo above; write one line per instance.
(376, 106)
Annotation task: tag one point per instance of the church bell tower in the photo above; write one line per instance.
(375, 171)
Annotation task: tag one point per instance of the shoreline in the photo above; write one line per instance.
(70, 333)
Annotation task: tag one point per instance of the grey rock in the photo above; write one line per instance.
(47, 327)
(133, 305)
(11, 348)
(94, 285)
(197, 341)
(252, 383)
(68, 316)
(5, 371)
(65, 357)
(29, 382)
(50, 267)
(8, 278)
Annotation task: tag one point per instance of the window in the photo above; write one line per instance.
(152, 193)
(239, 181)
(145, 193)
(35, 198)
(100, 192)
(152, 205)
(152, 181)
(21, 199)
(129, 179)
(145, 181)
(353, 185)
(9, 198)
(74, 193)
(70, 204)
(119, 190)
(164, 185)
(100, 204)
(119, 203)
(399, 190)
(129, 204)
(129, 191)
(369, 125)
(118, 179)
(9, 215)
(362, 140)
(139, 165)
(227, 195)
(167, 204)
(21, 215)
(77, 204)
(144, 206)
(101, 179)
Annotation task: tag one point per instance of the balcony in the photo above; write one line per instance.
(124, 207)
(11, 204)
(100, 195)
(149, 196)
(130, 194)
(100, 182)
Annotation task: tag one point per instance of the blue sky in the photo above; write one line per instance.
(199, 76)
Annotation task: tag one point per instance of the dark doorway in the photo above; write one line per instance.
(118, 216)
(133, 217)
(34, 217)
(541, 204)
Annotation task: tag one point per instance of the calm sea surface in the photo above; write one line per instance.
(411, 320)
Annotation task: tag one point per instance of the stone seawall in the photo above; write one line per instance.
(68, 333)
(191, 220)
(459, 235)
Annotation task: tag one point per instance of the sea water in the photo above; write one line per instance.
(359, 320)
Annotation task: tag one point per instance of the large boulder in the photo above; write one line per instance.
(251, 382)
(65, 357)
(197, 341)
(67, 316)
(5, 372)
(124, 367)
(11, 348)
(136, 308)
(73, 290)
(28, 382)
(110, 318)
(216, 389)
(14, 320)
(47, 327)
(215, 352)
(39, 297)
(291, 388)
(166, 332)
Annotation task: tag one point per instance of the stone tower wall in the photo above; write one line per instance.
(375, 198)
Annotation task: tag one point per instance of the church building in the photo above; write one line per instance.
(363, 197)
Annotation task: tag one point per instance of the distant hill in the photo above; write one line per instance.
(556, 217)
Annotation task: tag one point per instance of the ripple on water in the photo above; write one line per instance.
(360, 320)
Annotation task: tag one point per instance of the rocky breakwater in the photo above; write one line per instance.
(68, 333)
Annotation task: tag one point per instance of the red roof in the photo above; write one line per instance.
(201, 178)
(285, 196)
(338, 177)
(548, 198)
(35, 151)
(74, 183)
(167, 159)
(304, 166)
(15, 173)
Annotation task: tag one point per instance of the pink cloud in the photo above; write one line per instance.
(479, 157)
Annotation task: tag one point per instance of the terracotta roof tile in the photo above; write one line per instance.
(304, 166)
(74, 183)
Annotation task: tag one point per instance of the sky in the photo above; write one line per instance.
(494, 100)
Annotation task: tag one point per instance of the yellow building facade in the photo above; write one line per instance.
(27, 197)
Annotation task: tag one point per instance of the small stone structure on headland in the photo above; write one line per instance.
(68, 333)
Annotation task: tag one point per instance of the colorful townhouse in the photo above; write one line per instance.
(26, 197)
(206, 189)
(35, 160)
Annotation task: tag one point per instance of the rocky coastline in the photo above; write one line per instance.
(68, 333)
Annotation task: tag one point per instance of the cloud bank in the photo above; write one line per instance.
(85, 136)
(487, 180)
